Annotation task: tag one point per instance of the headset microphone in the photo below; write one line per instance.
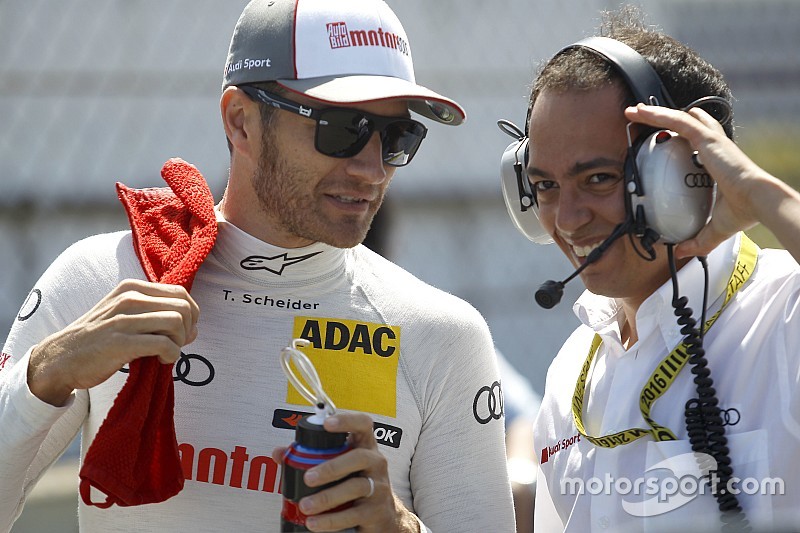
(551, 291)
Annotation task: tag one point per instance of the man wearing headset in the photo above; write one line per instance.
(316, 108)
(612, 435)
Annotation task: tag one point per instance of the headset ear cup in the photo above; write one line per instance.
(674, 192)
(517, 194)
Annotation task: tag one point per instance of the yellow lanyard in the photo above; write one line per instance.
(668, 369)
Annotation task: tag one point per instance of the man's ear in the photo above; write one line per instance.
(241, 119)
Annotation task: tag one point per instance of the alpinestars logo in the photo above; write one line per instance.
(340, 37)
(275, 264)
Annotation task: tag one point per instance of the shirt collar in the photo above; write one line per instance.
(605, 315)
(264, 263)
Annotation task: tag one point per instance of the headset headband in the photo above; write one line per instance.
(663, 164)
(643, 81)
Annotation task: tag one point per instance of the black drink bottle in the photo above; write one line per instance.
(312, 446)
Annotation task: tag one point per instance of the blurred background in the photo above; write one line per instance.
(97, 92)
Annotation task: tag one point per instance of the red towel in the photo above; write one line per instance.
(134, 457)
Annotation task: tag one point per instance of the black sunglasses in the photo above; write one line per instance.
(343, 132)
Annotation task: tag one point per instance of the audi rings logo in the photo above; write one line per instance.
(698, 179)
(730, 417)
(183, 367)
(32, 303)
(191, 369)
(488, 403)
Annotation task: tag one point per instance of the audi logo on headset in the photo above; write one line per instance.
(488, 403)
(698, 179)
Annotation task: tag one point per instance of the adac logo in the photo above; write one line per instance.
(356, 361)
(275, 264)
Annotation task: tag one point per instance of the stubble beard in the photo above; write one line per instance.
(277, 185)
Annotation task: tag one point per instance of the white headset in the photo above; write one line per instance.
(667, 190)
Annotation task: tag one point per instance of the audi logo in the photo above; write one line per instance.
(730, 417)
(492, 409)
(32, 303)
(183, 367)
(698, 179)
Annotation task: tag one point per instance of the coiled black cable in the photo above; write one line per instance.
(704, 424)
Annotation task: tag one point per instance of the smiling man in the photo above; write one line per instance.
(665, 410)
(317, 106)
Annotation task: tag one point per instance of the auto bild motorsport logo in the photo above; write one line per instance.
(340, 37)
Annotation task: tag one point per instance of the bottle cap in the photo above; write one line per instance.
(314, 436)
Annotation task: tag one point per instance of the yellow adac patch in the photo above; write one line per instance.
(356, 362)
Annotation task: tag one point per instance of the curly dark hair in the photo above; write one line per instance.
(683, 72)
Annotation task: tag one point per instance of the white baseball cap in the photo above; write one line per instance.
(334, 51)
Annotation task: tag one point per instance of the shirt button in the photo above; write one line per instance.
(604, 522)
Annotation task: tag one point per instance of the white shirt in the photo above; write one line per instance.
(418, 378)
(753, 352)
